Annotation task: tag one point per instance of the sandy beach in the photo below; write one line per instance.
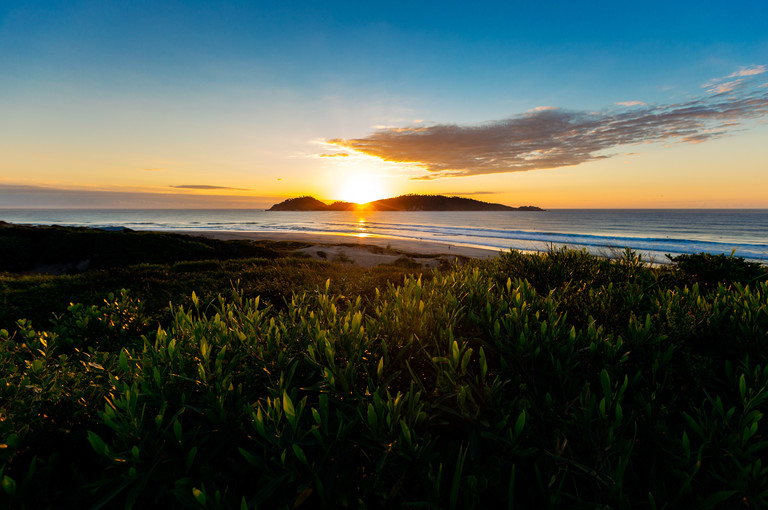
(364, 251)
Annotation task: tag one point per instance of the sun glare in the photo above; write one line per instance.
(361, 188)
(362, 229)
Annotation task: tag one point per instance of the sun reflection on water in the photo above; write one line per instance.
(362, 230)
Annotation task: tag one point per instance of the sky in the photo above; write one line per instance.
(243, 104)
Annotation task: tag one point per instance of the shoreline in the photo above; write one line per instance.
(653, 234)
(372, 249)
(406, 246)
(364, 251)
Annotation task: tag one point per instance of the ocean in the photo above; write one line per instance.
(650, 232)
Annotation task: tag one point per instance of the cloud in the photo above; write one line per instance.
(632, 103)
(722, 88)
(205, 186)
(553, 138)
(39, 197)
(748, 71)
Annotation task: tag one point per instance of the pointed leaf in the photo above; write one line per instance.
(373, 420)
(9, 485)
(520, 423)
(123, 360)
(288, 409)
(199, 496)
(98, 444)
(605, 381)
(300, 454)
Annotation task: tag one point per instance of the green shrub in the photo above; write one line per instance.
(710, 269)
(582, 383)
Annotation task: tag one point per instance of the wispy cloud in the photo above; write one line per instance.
(632, 103)
(550, 138)
(727, 86)
(205, 186)
(39, 197)
(748, 71)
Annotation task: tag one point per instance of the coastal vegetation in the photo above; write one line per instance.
(556, 380)
(56, 250)
(410, 202)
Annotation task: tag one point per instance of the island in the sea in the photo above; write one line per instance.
(401, 203)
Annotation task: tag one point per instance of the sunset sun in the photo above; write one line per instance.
(361, 188)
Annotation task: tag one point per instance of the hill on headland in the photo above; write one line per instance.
(401, 203)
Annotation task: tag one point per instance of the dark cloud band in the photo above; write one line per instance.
(552, 138)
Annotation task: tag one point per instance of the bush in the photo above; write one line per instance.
(710, 269)
(593, 383)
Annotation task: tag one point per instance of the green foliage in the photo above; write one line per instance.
(710, 269)
(37, 297)
(555, 380)
(118, 322)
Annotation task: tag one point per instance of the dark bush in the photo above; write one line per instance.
(709, 269)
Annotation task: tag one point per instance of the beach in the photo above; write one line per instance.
(651, 233)
(363, 251)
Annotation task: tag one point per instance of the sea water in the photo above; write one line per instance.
(650, 232)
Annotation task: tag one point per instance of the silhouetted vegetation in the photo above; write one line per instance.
(402, 203)
(159, 268)
(709, 269)
(440, 203)
(302, 204)
(58, 250)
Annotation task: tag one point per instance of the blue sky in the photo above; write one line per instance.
(242, 98)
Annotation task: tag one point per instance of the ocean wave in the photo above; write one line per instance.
(524, 239)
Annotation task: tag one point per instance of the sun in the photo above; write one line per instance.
(361, 188)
